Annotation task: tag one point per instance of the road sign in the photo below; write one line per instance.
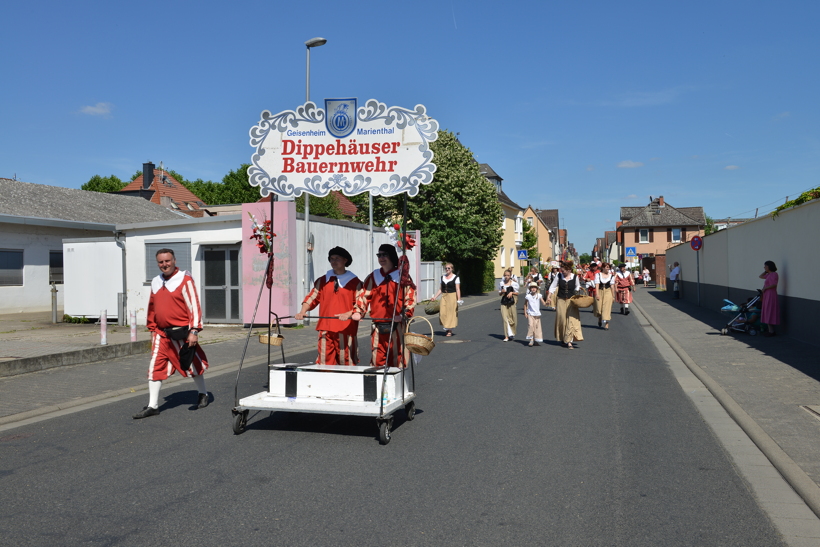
(522, 255)
(696, 243)
(631, 251)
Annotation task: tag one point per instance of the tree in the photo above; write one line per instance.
(327, 206)
(585, 258)
(458, 213)
(710, 226)
(103, 184)
(529, 243)
(234, 188)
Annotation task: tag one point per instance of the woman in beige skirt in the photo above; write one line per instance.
(605, 282)
(450, 292)
(508, 288)
(567, 318)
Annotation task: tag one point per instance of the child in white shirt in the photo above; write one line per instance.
(532, 311)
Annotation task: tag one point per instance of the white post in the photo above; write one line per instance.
(370, 247)
(133, 317)
(104, 327)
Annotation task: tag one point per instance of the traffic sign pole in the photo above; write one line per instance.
(697, 244)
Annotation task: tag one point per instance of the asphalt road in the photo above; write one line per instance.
(511, 445)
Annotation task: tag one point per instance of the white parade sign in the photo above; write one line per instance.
(375, 148)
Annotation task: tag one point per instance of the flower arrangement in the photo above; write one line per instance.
(263, 234)
(394, 231)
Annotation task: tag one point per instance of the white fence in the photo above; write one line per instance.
(428, 282)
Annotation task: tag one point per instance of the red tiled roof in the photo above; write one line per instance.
(184, 199)
(347, 207)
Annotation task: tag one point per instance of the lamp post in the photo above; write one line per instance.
(313, 42)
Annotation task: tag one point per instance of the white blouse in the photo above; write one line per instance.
(554, 286)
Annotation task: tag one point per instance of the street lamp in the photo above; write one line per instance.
(313, 42)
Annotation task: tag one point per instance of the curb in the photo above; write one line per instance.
(130, 391)
(78, 357)
(804, 485)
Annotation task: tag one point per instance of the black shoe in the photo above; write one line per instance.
(627, 311)
(146, 412)
(203, 400)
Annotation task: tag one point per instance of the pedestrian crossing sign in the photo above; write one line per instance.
(522, 255)
(631, 252)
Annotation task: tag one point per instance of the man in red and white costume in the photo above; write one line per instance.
(335, 294)
(623, 287)
(174, 303)
(378, 293)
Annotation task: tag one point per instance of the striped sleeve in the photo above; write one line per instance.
(192, 303)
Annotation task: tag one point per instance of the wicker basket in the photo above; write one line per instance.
(419, 343)
(275, 339)
(432, 307)
(580, 301)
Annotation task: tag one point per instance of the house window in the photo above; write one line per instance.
(182, 253)
(11, 267)
(644, 236)
(503, 258)
(512, 257)
(675, 235)
(519, 225)
(55, 267)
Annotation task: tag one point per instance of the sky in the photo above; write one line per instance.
(584, 107)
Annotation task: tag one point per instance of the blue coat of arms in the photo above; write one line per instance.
(340, 117)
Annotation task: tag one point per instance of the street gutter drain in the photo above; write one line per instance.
(814, 410)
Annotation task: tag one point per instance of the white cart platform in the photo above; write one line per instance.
(334, 389)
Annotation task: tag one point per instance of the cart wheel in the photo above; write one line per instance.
(724, 331)
(240, 420)
(752, 332)
(410, 410)
(384, 432)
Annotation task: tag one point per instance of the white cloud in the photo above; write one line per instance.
(781, 116)
(99, 109)
(629, 164)
(731, 167)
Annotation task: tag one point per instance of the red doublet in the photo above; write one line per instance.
(622, 285)
(378, 293)
(174, 302)
(337, 339)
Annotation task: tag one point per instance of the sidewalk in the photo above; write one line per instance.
(33, 338)
(776, 381)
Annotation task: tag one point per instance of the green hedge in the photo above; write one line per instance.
(476, 275)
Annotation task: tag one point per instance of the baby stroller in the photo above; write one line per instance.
(745, 318)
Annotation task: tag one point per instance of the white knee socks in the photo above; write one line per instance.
(153, 393)
(199, 380)
(154, 387)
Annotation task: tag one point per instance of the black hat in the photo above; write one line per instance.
(393, 255)
(342, 252)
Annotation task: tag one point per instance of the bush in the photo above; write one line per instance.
(69, 319)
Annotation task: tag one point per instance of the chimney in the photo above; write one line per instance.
(165, 201)
(147, 175)
(660, 201)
